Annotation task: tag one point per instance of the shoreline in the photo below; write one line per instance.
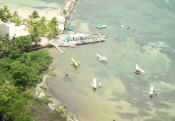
(24, 12)
(48, 13)
(55, 104)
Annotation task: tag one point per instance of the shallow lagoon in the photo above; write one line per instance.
(36, 4)
(149, 42)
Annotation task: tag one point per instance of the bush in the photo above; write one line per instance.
(61, 111)
(47, 100)
(16, 105)
(64, 12)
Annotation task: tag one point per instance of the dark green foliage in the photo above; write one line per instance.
(64, 12)
(17, 105)
(23, 43)
(15, 54)
(49, 36)
(5, 14)
(16, 19)
(47, 100)
(25, 69)
(34, 15)
(18, 72)
(52, 25)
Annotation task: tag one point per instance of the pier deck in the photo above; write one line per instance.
(57, 47)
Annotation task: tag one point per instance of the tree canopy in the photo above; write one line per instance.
(18, 72)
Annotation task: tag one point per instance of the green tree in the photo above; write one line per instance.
(15, 14)
(64, 12)
(43, 20)
(5, 13)
(35, 35)
(34, 15)
(42, 26)
(19, 72)
(6, 42)
(15, 54)
(49, 36)
(23, 43)
(16, 19)
(52, 25)
(17, 106)
(54, 21)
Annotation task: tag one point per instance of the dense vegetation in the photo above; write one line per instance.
(21, 71)
(23, 43)
(18, 73)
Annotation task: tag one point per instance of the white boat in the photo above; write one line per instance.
(139, 70)
(125, 26)
(100, 26)
(101, 58)
(151, 92)
(94, 84)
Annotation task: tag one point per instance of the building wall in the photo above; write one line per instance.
(4, 30)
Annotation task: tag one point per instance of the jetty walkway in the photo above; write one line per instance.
(57, 47)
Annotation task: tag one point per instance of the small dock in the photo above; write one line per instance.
(57, 47)
(80, 39)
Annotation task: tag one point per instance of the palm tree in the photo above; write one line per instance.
(43, 20)
(6, 10)
(6, 43)
(15, 14)
(55, 30)
(34, 15)
(64, 12)
(53, 22)
(5, 14)
(35, 35)
(52, 25)
(16, 19)
(49, 36)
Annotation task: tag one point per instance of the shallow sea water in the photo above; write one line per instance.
(123, 97)
(38, 4)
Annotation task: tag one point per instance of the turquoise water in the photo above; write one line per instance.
(38, 4)
(149, 42)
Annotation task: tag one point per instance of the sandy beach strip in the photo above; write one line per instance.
(48, 13)
(25, 12)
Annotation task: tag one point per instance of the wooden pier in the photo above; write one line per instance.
(57, 47)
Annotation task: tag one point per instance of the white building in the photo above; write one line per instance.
(17, 30)
(61, 22)
(61, 28)
(4, 29)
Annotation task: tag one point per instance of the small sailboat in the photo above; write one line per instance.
(100, 26)
(139, 70)
(94, 84)
(125, 26)
(101, 58)
(151, 92)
